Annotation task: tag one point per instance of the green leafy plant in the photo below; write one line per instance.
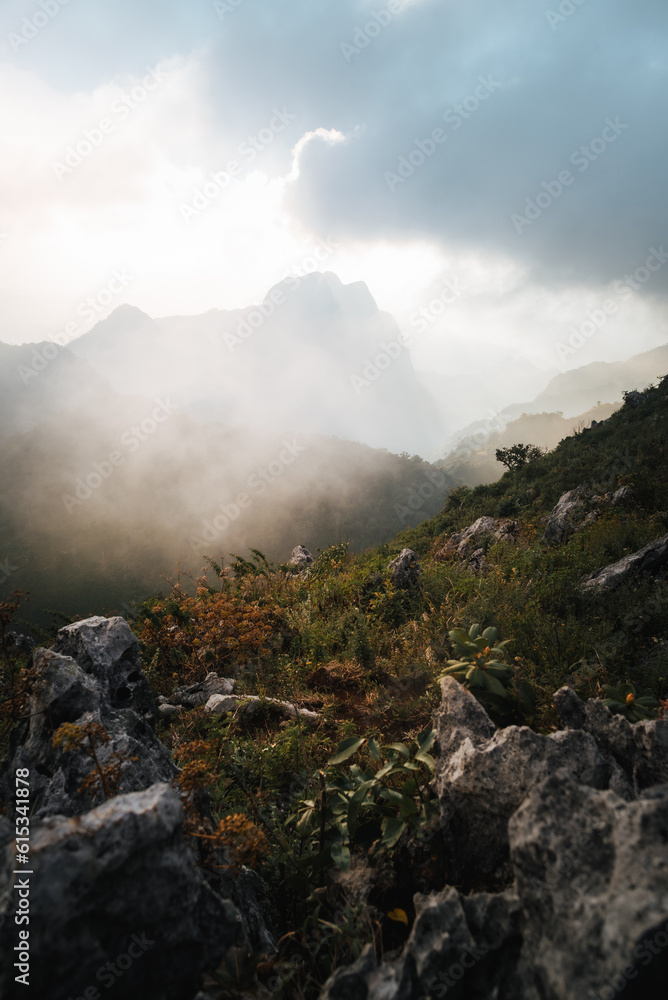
(623, 701)
(365, 808)
(480, 669)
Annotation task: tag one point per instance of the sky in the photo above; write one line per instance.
(495, 173)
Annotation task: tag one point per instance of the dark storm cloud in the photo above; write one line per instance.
(591, 75)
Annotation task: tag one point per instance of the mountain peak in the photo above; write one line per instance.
(326, 291)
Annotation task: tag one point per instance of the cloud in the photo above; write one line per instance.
(419, 134)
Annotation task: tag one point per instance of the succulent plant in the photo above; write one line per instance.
(624, 701)
(480, 669)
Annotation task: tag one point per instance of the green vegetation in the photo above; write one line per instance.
(479, 668)
(343, 640)
(517, 456)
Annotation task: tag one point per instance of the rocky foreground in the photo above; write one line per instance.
(567, 833)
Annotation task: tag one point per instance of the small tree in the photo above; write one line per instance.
(518, 455)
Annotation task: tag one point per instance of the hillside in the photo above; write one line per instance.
(473, 461)
(298, 701)
(571, 400)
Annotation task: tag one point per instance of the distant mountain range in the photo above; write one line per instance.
(151, 442)
(570, 400)
(316, 356)
(104, 492)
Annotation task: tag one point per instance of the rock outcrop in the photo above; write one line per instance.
(301, 558)
(193, 695)
(560, 527)
(481, 780)
(649, 559)
(117, 901)
(584, 909)
(117, 905)
(405, 569)
(467, 543)
(92, 675)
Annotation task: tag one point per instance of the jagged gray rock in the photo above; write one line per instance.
(301, 557)
(106, 687)
(623, 495)
(586, 915)
(570, 708)
(405, 569)
(480, 787)
(193, 695)
(466, 543)
(117, 885)
(649, 559)
(560, 526)
(107, 649)
(640, 748)
(592, 879)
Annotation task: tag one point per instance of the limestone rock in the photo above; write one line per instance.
(405, 569)
(483, 775)
(466, 543)
(586, 915)
(116, 885)
(192, 695)
(649, 559)
(301, 557)
(592, 878)
(559, 526)
(106, 687)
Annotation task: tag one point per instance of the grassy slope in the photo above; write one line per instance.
(367, 657)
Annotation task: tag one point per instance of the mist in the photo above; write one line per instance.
(266, 267)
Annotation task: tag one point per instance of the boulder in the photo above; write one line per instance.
(623, 495)
(465, 544)
(301, 558)
(193, 695)
(405, 569)
(559, 526)
(592, 880)
(649, 559)
(584, 910)
(117, 905)
(103, 686)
